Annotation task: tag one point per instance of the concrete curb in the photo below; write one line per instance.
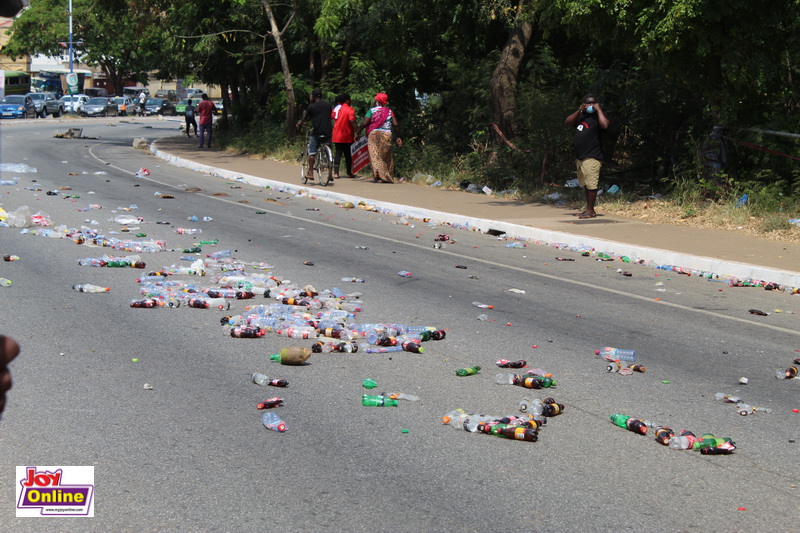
(653, 256)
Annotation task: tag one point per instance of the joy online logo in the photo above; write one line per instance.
(44, 490)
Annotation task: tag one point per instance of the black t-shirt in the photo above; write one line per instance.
(319, 113)
(588, 137)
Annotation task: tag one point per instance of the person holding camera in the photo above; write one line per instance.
(589, 122)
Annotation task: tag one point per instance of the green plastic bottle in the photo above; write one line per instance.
(629, 423)
(369, 400)
(468, 371)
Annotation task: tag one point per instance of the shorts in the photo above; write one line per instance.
(314, 141)
(589, 173)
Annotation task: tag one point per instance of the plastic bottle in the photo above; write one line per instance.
(8, 257)
(685, 441)
(247, 332)
(188, 231)
(728, 398)
(630, 423)
(515, 245)
(369, 400)
(91, 261)
(505, 363)
(452, 415)
(270, 403)
(147, 303)
(298, 332)
(438, 334)
(534, 382)
(469, 371)
(786, 373)
(404, 273)
(272, 421)
(88, 287)
(482, 306)
(400, 396)
(5, 282)
(261, 379)
(663, 435)
(293, 355)
(616, 354)
(533, 407)
(410, 346)
(219, 255)
(354, 280)
(518, 433)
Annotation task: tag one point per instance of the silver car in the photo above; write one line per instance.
(46, 104)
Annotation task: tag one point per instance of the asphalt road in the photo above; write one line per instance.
(192, 455)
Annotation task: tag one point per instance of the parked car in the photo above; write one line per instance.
(220, 105)
(17, 106)
(168, 94)
(180, 107)
(124, 105)
(74, 103)
(99, 107)
(159, 106)
(47, 104)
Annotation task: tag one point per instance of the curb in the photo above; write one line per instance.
(667, 259)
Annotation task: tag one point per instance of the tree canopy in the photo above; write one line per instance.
(490, 80)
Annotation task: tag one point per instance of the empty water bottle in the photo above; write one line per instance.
(88, 287)
(404, 273)
(614, 354)
(188, 231)
(272, 421)
(263, 380)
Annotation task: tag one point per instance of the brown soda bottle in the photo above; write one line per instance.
(663, 434)
(518, 433)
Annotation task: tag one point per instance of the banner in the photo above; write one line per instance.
(360, 154)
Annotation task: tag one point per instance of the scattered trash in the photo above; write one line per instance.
(612, 354)
(404, 273)
(369, 383)
(505, 363)
(788, 373)
(528, 382)
(482, 306)
(272, 421)
(469, 371)
(757, 312)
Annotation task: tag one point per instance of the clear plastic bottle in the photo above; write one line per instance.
(614, 354)
(685, 441)
(728, 398)
(5, 282)
(188, 231)
(404, 273)
(451, 417)
(482, 306)
(263, 380)
(219, 255)
(272, 421)
(88, 287)
(533, 407)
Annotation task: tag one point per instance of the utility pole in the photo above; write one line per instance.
(70, 36)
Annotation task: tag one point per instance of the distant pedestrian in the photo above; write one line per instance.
(344, 129)
(142, 102)
(589, 122)
(380, 122)
(205, 109)
(190, 121)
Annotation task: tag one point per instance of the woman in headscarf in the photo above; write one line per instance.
(380, 122)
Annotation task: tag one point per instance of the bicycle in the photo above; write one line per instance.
(323, 164)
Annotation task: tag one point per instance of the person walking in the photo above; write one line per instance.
(589, 122)
(190, 121)
(319, 113)
(205, 109)
(380, 122)
(344, 129)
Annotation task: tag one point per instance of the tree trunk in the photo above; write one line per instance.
(291, 123)
(503, 83)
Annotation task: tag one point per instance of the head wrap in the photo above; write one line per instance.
(382, 98)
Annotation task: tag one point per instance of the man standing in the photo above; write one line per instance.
(589, 122)
(142, 102)
(319, 113)
(205, 109)
(190, 121)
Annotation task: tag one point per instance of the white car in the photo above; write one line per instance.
(74, 103)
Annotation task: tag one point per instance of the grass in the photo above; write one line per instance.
(765, 215)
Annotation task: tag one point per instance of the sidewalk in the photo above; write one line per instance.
(725, 253)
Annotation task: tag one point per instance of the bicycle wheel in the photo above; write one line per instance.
(324, 165)
(304, 166)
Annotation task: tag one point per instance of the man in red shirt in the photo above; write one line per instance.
(205, 109)
(344, 128)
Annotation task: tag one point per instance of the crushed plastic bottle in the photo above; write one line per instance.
(404, 273)
(614, 354)
(88, 287)
(263, 380)
(482, 306)
(469, 371)
(272, 421)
